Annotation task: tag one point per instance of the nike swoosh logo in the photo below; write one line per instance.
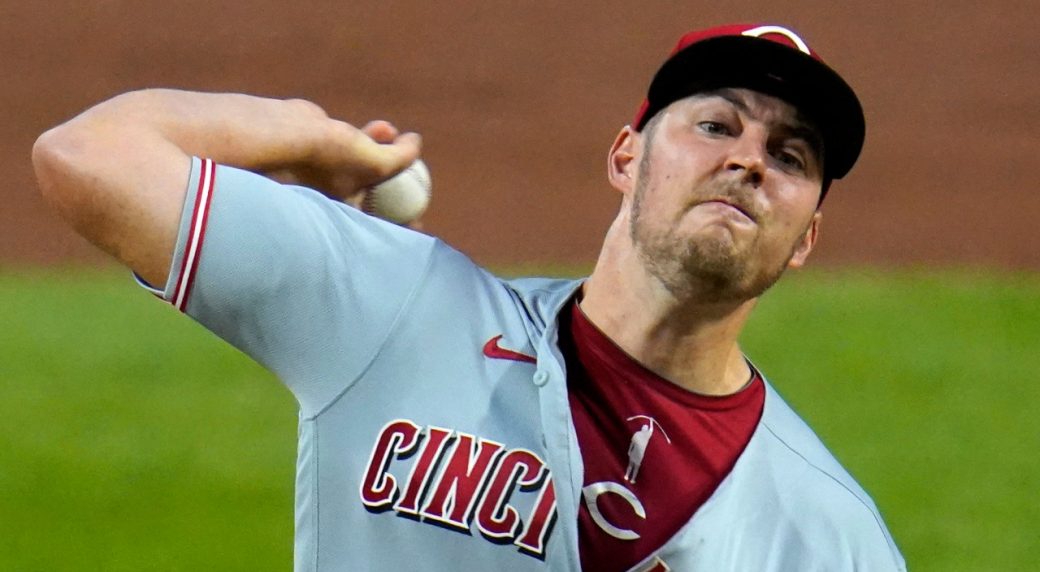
(495, 351)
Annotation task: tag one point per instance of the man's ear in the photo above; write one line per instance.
(621, 161)
(806, 244)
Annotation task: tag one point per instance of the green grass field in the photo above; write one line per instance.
(131, 439)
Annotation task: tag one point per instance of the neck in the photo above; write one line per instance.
(690, 342)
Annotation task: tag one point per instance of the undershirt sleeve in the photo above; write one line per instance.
(308, 287)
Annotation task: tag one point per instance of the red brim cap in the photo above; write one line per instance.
(772, 60)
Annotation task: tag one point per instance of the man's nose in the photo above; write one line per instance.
(748, 156)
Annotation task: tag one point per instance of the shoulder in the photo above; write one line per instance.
(790, 436)
(815, 494)
(803, 453)
(786, 505)
(454, 286)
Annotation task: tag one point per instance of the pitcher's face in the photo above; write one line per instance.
(726, 193)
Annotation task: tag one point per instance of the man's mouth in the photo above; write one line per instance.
(734, 205)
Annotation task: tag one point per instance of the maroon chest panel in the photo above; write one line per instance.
(653, 451)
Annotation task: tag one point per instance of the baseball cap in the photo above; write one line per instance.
(773, 60)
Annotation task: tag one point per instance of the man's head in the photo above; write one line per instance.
(727, 161)
(769, 59)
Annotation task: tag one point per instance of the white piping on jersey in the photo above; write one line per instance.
(198, 228)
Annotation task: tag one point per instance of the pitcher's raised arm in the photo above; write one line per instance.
(118, 172)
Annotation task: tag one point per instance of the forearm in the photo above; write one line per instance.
(245, 131)
(118, 172)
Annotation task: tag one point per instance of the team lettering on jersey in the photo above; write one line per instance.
(458, 480)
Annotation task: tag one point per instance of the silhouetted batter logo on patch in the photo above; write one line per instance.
(636, 454)
(640, 441)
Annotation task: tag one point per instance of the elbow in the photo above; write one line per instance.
(66, 159)
(54, 157)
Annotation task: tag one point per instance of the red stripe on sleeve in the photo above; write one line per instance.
(197, 232)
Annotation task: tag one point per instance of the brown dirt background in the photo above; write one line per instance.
(519, 101)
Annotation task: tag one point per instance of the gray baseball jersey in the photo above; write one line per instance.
(435, 431)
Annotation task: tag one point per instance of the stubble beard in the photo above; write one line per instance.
(707, 270)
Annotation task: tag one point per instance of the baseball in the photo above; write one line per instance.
(402, 198)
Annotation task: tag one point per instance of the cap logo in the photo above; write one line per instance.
(763, 30)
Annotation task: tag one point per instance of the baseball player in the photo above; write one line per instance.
(450, 419)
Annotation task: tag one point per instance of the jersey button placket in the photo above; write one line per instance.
(541, 378)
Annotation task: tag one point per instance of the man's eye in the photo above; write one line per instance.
(790, 159)
(713, 127)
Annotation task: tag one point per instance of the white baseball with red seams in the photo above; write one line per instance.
(402, 198)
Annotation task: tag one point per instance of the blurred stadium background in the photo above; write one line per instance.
(131, 439)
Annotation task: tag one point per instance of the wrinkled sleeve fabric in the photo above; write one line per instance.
(308, 287)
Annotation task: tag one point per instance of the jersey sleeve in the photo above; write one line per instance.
(308, 287)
